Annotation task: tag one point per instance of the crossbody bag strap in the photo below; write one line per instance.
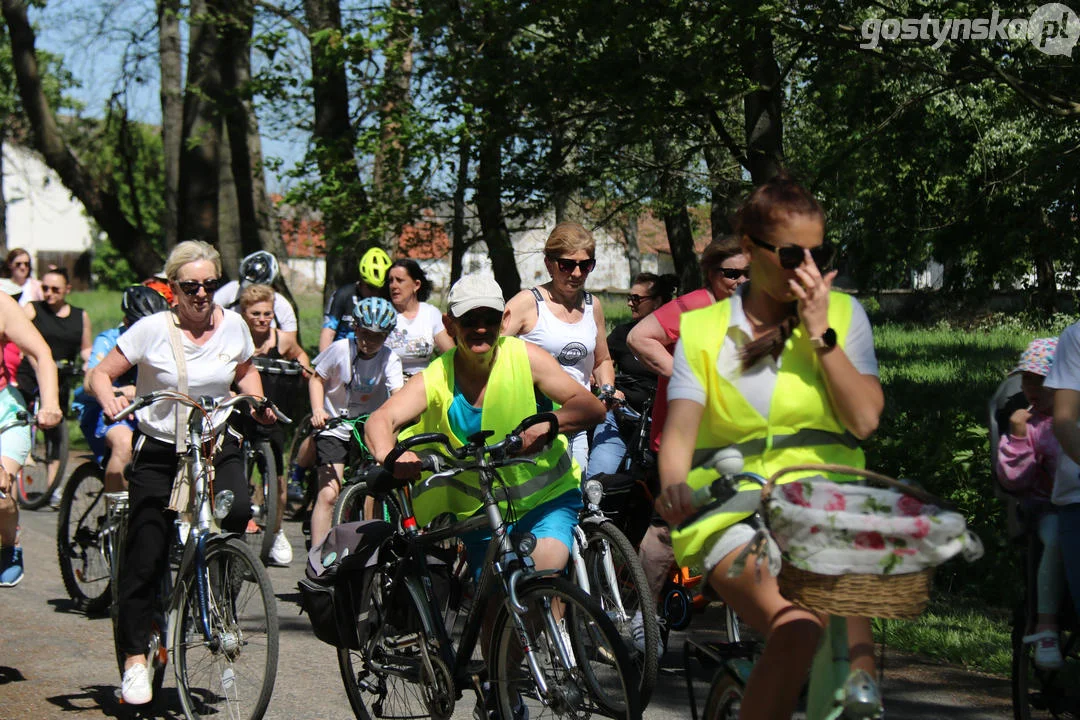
(176, 341)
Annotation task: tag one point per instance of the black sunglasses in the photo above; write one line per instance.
(791, 256)
(734, 273)
(567, 266)
(635, 299)
(480, 318)
(191, 287)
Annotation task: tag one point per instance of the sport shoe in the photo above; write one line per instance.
(281, 552)
(637, 635)
(11, 566)
(135, 687)
(55, 499)
(1047, 649)
(294, 491)
(252, 527)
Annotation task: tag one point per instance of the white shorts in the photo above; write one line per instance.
(15, 442)
(727, 542)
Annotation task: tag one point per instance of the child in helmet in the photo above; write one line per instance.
(353, 376)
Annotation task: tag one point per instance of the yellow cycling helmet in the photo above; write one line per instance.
(374, 265)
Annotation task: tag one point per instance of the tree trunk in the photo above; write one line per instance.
(680, 236)
(172, 113)
(390, 158)
(762, 106)
(1045, 296)
(201, 133)
(492, 221)
(633, 252)
(228, 210)
(100, 204)
(3, 197)
(723, 191)
(459, 243)
(335, 140)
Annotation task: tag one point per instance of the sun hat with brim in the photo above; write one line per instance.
(472, 292)
(1038, 357)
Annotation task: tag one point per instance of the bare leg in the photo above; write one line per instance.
(322, 514)
(118, 440)
(281, 495)
(9, 508)
(861, 644)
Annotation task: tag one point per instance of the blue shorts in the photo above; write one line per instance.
(554, 519)
(15, 443)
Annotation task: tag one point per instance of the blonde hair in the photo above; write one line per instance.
(255, 294)
(191, 251)
(567, 238)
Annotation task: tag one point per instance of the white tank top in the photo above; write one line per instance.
(572, 344)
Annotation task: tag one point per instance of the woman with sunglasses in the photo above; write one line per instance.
(201, 349)
(20, 269)
(67, 331)
(561, 317)
(785, 369)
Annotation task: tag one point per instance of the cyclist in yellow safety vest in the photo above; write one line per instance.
(785, 371)
(488, 382)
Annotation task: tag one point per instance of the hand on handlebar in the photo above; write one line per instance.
(318, 417)
(534, 439)
(112, 405)
(407, 466)
(675, 503)
(48, 417)
(265, 416)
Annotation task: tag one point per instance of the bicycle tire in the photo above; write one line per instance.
(350, 505)
(240, 633)
(84, 567)
(725, 697)
(33, 490)
(266, 465)
(1038, 693)
(606, 543)
(375, 675)
(602, 679)
(295, 510)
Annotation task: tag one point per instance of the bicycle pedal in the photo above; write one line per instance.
(862, 699)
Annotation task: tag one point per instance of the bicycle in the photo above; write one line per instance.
(530, 662)
(259, 459)
(86, 539)
(834, 690)
(354, 488)
(33, 489)
(218, 618)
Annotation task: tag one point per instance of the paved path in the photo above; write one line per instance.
(57, 663)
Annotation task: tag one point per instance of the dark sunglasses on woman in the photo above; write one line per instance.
(791, 256)
(567, 265)
(191, 287)
(734, 273)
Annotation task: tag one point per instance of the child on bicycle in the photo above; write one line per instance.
(1027, 460)
(353, 376)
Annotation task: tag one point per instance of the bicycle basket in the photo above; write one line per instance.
(861, 550)
(336, 588)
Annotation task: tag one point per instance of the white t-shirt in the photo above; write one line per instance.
(414, 340)
(284, 316)
(211, 368)
(355, 386)
(1065, 375)
(757, 384)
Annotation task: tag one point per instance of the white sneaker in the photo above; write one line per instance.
(1047, 649)
(135, 687)
(637, 635)
(281, 552)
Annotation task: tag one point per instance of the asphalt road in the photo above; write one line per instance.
(57, 663)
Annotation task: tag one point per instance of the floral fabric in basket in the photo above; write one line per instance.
(839, 528)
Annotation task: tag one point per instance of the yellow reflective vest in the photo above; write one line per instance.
(510, 398)
(801, 428)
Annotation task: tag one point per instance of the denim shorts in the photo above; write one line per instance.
(555, 518)
(15, 442)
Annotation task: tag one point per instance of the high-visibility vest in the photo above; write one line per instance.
(509, 399)
(802, 426)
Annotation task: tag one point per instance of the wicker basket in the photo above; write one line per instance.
(900, 596)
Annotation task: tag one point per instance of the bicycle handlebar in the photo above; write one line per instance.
(253, 401)
(499, 451)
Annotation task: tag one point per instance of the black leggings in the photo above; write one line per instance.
(151, 527)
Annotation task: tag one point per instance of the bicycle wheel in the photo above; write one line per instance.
(600, 677)
(231, 673)
(1039, 693)
(619, 584)
(397, 673)
(295, 509)
(725, 697)
(266, 466)
(33, 488)
(350, 503)
(84, 566)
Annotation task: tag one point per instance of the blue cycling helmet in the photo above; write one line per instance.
(375, 314)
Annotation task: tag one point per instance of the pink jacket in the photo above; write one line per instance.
(1026, 465)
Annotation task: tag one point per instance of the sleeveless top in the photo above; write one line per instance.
(572, 344)
(63, 336)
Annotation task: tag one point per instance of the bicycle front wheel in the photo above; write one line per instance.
(619, 584)
(80, 550)
(231, 672)
(33, 489)
(725, 697)
(584, 666)
(266, 466)
(296, 508)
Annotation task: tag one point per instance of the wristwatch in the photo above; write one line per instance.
(827, 341)
(607, 391)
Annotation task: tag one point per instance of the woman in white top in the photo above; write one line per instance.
(20, 271)
(217, 349)
(564, 319)
(419, 335)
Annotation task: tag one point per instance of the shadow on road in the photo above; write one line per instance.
(10, 675)
(166, 706)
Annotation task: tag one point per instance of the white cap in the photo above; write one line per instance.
(474, 291)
